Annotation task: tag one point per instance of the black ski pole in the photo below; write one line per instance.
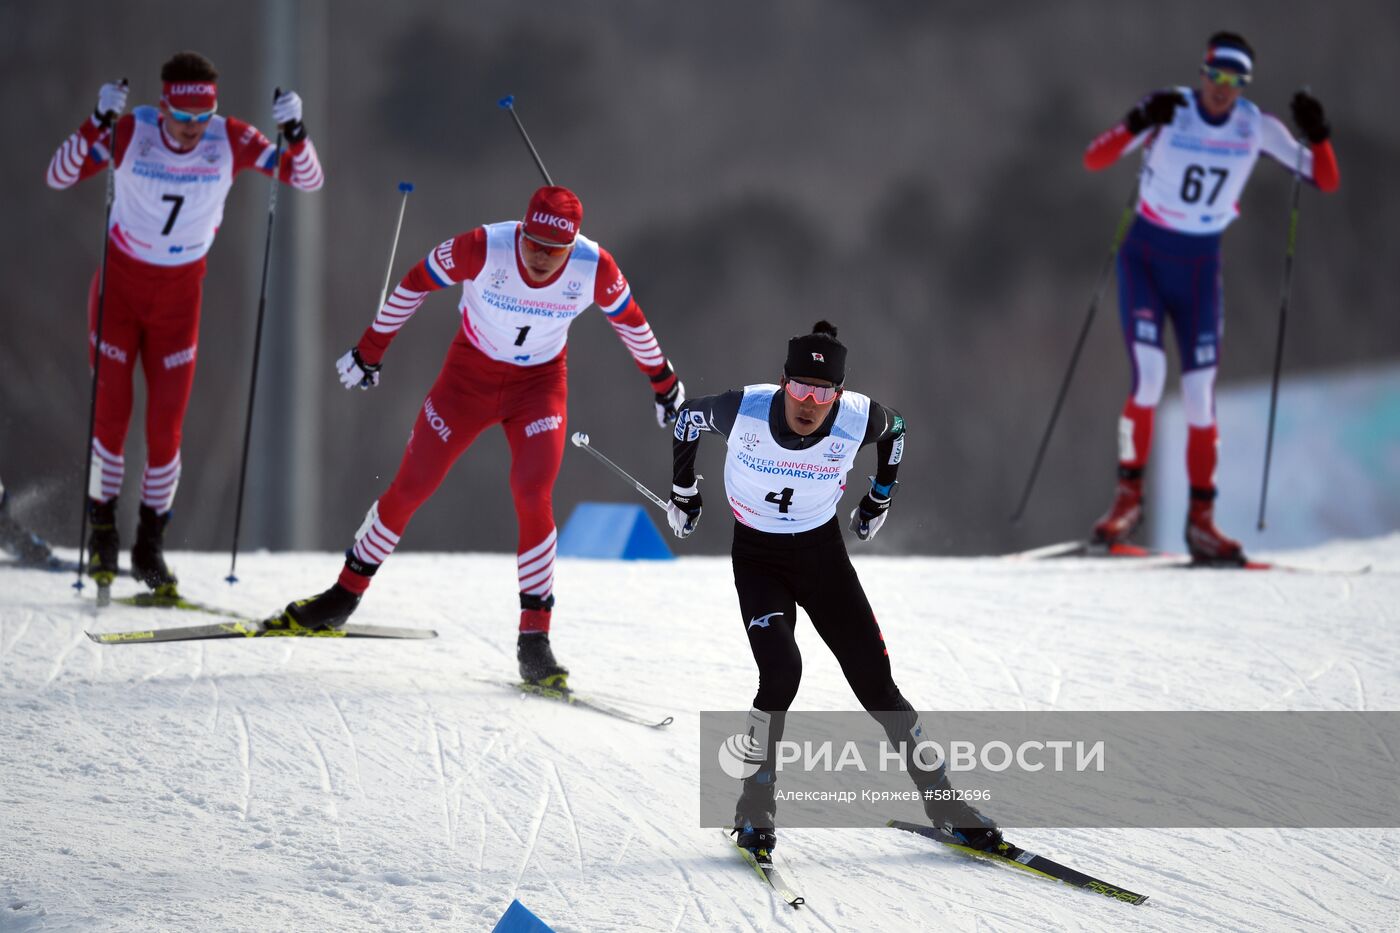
(581, 440)
(508, 103)
(1123, 222)
(257, 348)
(110, 119)
(1282, 321)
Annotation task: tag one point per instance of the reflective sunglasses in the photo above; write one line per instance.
(822, 395)
(540, 246)
(1225, 76)
(180, 116)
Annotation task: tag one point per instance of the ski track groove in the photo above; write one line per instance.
(245, 759)
(569, 812)
(349, 738)
(23, 628)
(60, 660)
(439, 763)
(217, 706)
(1360, 688)
(323, 769)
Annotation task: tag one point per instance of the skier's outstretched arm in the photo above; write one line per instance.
(709, 413)
(451, 262)
(885, 430)
(614, 296)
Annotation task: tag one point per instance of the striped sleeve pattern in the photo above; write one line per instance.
(305, 172)
(398, 308)
(66, 166)
(640, 342)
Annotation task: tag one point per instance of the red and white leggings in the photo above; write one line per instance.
(474, 392)
(151, 312)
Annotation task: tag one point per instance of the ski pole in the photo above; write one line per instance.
(1122, 231)
(406, 187)
(257, 348)
(1282, 320)
(581, 440)
(507, 103)
(109, 118)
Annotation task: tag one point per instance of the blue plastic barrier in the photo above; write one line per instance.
(518, 919)
(611, 530)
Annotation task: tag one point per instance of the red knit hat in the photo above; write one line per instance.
(554, 215)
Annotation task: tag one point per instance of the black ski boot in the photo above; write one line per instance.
(958, 818)
(324, 610)
(532, 650)
(148, 554)
(754, 817)
(103, 543)
(29, 549)
(537, 663)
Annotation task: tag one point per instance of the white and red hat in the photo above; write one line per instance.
(554, 215)
(194, 96)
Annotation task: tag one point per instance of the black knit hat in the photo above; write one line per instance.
(818, 355)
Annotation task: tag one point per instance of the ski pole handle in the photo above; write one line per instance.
(581, 440)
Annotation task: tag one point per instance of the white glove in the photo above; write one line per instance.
(355, 373)
(683, 511)
(287, 108)
(870, 515)
(111, 100)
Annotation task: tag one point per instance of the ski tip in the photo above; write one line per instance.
(405, 186)
(96, 638)
(505, 103)
(580, 439)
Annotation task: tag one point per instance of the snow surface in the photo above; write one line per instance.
(317, 785)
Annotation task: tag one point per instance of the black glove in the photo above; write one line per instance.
(1312, 122)
(867, 517)
(683, 511)
(1158, 110)
(668, 402)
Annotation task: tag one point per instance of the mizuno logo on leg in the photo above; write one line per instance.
(762, 621)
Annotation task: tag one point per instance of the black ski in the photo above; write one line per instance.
(1016, 857)
(1170, 559)
(571, 697)
(767, 871)
(247, 629)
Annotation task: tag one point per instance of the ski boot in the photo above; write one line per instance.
(958, 818)
(754, 817)
(532, 650)
(1123, 517)
(537, 663)
(148, 556)
(1209, 545)
(323, 611)
(29, 549)
(103, 545)
(759, 842)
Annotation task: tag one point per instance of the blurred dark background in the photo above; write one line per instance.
(909, 170)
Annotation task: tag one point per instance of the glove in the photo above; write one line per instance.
(683, 511)
(668, 402)
(867, 517)
(1158, 110)
(286, 112)
(355, 373)
(1312, 122)
(111, 101)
